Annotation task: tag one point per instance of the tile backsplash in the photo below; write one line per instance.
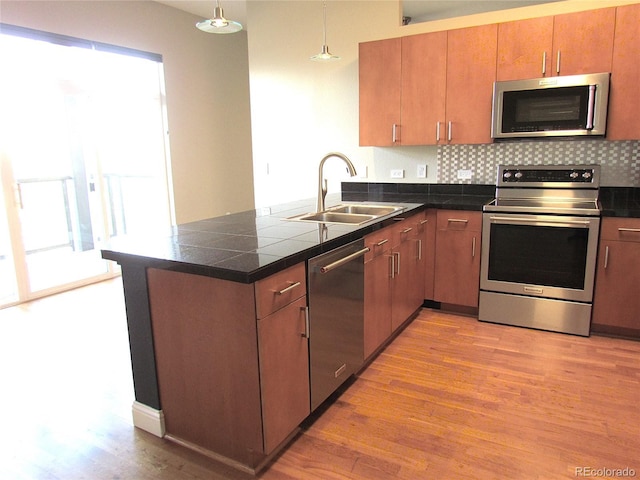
(620, 160)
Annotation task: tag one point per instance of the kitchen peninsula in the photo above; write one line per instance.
(194, 309)
(197, 319)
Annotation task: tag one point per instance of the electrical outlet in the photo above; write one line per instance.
(422, 171)
(397, 173)
(464, 174)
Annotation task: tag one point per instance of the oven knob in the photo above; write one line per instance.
(586, 175)
(574, 174)
(507, 175)
(518, 175)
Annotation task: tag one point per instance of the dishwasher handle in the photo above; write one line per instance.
(342, 261)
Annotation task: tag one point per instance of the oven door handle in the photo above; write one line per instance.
(541, 223)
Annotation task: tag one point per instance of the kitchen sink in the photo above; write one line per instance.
(348, 214)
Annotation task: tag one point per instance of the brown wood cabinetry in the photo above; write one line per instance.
(471, 71)
(380, 76)
(616, 302)
(624, 101)
(394, 278)
(457, 263)
(568, 44)
(232, 361)
(429, 253)
(442, 88)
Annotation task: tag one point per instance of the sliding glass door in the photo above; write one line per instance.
(83, 158)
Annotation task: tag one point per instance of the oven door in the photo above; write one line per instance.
(549, 256)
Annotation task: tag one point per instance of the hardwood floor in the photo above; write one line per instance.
(450, 398)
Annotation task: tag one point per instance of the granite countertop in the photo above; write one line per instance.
(248, 246)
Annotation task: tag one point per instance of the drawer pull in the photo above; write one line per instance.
(423, 222)
(457, 220)
(382, 242)
(289, 288)
(606, 256)
(407, 230)
(629, 230)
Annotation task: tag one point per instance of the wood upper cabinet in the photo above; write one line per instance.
(624, 102)
(471, 71)
(568, 44)
(616, 303)
(457, 265)
(583, 42)
(380, 76)
(424, 83)
(525, 49)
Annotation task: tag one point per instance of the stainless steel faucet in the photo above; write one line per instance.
(322, 182)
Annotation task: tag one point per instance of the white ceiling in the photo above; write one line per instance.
(419, 10)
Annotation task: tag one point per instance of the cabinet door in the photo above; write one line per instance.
(584, 41)
(624, 101)
(471, 71)
(525, 49)
(457, 270)
(377, 302)
(424, 83)
(284, 372)
(380, 78)
(429, 252)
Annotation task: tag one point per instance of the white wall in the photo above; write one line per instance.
(301, 110)
(207, 84)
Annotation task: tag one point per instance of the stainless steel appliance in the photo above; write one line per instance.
(553, 106)
(336, 318)
(539, 246)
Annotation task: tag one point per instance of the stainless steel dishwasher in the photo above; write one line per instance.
(336, 318)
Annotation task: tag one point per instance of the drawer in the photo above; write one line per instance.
(461, 220)
(620, 229)
(378, 242)
(280, 289)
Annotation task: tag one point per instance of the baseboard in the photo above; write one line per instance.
(148, 419)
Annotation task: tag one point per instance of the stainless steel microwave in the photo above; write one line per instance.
(551, 107)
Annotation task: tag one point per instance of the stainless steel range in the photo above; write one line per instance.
(539, 246)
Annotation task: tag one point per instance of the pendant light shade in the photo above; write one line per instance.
(324, 55)
(218, 24)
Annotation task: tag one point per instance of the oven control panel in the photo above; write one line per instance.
(549, 176)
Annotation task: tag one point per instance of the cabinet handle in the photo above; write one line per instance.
(437, 131)
(305, 334)
(457, 220)
(449, 131)
(382, 242)
(393, 266)
(606, 256)
(419, 249)
(397, 263)
(544, 63)
(629, 230)
(473, 248)
(558, 63)
(394, 137)
(289, 288)
(407, 230)
(424, 221)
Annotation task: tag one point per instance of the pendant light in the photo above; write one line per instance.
(218, 24)
(324, 55)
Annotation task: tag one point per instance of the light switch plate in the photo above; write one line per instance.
(422, 171)
(397, 173)
(464, 174)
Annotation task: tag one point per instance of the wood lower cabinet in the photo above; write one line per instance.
(616, 302)
(457, 263)
(394, 279)
(231, 360)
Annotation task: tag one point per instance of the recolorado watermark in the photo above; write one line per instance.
(593, 472)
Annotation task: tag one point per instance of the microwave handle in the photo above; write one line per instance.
(591, 107)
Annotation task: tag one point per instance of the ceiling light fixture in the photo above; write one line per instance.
(219, 24)
(324, 55)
